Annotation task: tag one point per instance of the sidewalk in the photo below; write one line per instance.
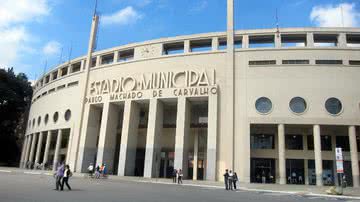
(349, 192)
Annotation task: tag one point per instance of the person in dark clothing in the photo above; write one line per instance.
(235, 179)
(65, 180)
(226, 179)
(174, 174)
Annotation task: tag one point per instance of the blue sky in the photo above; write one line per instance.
(35, 32)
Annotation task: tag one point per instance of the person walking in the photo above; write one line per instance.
(235, 179)
(174, 175)
(97, 172)
(65, 180)
(226, 179)
(91, 169)
(231, 179)
(59, 175)
(180, 176)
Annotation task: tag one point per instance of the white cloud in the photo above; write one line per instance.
(11, 43)
(124, 16)
(51, 48)
(15, 37)
(20, 11)
(341, 15)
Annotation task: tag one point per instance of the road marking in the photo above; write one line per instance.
(32, 173)
(6, 171)
(50, 174)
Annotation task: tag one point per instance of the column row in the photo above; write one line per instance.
(318, 155)
(32, 149)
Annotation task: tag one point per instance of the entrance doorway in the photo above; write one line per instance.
(262, 170)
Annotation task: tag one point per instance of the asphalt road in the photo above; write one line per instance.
(16, 187)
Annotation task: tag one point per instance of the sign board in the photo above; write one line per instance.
(339, 160)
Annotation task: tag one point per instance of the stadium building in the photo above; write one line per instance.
(270, 104)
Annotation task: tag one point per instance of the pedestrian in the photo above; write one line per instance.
(65, 180)
(180, 176)
(174, 175)
(59, 175)
(103, 170)
(226, 179)
(231, 179)
(263, 177)
(97, 172)
(91, 169)
(235, 179)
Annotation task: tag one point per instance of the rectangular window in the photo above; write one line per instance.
(293, 40)
(294, 142)
(107, 59)
(47, 79)
(343, 142)
(54, 75)
(354, 62)
(266, 41)
(200, 45)
(238, 42)
(329, 62)
(126, 55)
(64, 71)
(222, 44)
(44, 93)
(51, 90)
(325, 40)
(173, 48)
(75, 67)
(353, 40)
(93, 62)
(262, 62)
(262, 141)
(75, 83)
(295, 62)
(310, 142)
(61, 87)
(326, 143)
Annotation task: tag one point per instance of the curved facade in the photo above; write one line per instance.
(292, 97)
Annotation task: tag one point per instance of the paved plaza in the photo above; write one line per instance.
(35, 186)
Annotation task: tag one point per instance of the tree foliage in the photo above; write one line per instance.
(15, 98)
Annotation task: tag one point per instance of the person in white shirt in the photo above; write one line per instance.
(91, 169)
(65, 180)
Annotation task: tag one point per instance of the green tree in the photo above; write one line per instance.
(15, 99)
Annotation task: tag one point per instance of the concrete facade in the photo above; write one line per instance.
(145, 104)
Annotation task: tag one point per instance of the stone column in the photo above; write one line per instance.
(107, 138)
(196, 152)
(38, 149)
(215, 44)
(57, 149)
(277, 40)
(98, 61)
(306, 171)
(245, 41)
(354, 156)
(318, 158)
(281, 147)
(47, 148)
(309, 39)
(187, 46)
(342, 42)
(28, 145)
(129, 138)
(182, 135)
(211, 150)
(32, 151)
(116, 56)
(154, 132)
(23, 151)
